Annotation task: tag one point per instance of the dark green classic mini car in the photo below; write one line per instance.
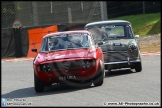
(118, 42)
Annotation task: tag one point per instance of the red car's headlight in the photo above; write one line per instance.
(87, 63)
(44, 67)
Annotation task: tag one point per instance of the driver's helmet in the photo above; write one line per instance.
(69, 38)
(53, 42)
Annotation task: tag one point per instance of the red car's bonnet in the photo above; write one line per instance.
(63, 54)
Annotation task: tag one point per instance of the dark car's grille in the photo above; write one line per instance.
(115, 56)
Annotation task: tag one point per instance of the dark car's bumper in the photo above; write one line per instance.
(128, 61)
(121, 57)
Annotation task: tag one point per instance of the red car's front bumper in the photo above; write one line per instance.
(79, 74)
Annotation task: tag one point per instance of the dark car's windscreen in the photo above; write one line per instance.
(104, 32)
(66, 41)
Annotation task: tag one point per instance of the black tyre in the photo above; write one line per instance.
(99, 81)
(99, 78)
(138, 67)
(107, 68)
(38, 84)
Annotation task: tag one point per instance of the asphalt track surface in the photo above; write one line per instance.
(120, 88)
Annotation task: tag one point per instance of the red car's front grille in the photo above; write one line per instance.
(66, 65)
(63, 73)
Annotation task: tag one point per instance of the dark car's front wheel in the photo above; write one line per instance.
(138, 67)
(38, 85)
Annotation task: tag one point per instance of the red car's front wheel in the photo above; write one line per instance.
(99, 78)
(38, 84)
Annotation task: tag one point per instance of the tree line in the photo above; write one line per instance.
(124, 8)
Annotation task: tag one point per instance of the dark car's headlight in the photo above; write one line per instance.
(132, 48)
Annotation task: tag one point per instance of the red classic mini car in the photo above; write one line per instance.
(68, 57)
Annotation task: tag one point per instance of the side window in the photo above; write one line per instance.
(130, 32)
(96, 33)
(44, 45)
(92, 39)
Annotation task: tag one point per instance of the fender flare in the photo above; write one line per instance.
(102, 66)
(100, 69)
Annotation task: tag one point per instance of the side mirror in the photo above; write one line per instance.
(34, 50)
(100, 43)
(136, 36)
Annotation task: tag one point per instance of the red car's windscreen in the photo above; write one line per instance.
(65, 41)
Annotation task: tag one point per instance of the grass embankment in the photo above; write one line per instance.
(144, 24)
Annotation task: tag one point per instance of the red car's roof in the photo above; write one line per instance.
(66, 32)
